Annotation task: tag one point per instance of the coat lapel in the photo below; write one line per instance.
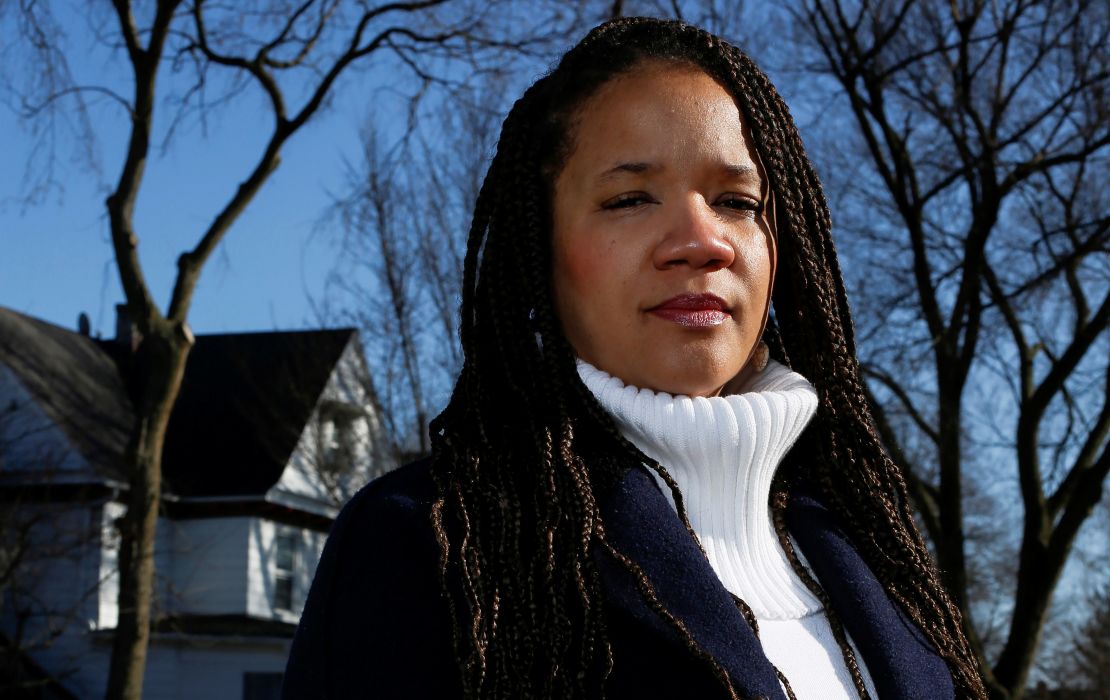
(642, 525)
(901, 661)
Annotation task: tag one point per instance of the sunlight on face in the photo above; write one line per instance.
(663, 257)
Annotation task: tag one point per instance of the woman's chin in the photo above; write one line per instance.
(692, 382)
(688, 374)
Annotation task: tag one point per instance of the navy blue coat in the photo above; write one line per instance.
(376, 626)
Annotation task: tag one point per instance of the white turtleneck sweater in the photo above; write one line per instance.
(723, 451)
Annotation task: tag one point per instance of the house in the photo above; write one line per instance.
(272, 432)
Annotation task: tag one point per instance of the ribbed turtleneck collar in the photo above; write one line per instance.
(723, 451)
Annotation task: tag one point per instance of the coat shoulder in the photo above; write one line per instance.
(375, 616)
(405, 491)
(385, 527)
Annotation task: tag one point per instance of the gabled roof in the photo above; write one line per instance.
(75, 382)
(244, 401)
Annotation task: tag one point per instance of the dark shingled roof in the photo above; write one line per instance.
(74, 382)
(244, 402)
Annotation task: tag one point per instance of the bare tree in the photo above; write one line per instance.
(291, 53)
(979, 236)
(380, 236)
(402, 226)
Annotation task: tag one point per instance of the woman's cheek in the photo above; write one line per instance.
(587, 265)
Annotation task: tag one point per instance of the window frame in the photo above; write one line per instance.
(285, 578)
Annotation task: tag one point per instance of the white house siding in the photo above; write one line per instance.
(260, 594)
(61, 574)
(29, 438)
(211, 669)
(107, 595)
(300, 484)
(208, 668)
(199, 567)
(210, 566)
(165, 554)
(81, 669)
(78, 663)
(190, 668)
(56, 581)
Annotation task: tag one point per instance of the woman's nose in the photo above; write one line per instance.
(695, 237)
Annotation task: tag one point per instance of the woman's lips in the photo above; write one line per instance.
(693, 310)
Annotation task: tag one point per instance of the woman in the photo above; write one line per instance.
(626, 497)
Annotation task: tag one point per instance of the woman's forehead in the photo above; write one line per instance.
(661, 117)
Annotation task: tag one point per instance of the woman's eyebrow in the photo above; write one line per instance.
(634, 167)
(740, 171)
(734, 171)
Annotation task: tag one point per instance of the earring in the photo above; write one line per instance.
(760, 356)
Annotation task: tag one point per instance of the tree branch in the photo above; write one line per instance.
(128, 31)
(121, 203)
(1085, 460)
(190, 264)
(903, 398)
(1062, 369)
(33, 110)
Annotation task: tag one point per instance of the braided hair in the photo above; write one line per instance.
(523, 452)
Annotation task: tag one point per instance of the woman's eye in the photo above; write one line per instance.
(740, 203)
(627, 201)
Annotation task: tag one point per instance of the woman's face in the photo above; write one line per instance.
(663, 255)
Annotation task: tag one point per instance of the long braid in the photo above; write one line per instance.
(873, 498)
(523, 450)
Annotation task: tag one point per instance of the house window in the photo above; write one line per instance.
(285, 561)
(261, 686)
(339, 432)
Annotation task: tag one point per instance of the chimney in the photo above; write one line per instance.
(83, 325)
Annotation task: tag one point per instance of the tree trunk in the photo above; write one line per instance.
(161, 356)
(1036, 581)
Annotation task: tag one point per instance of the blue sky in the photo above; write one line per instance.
(56, 258)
